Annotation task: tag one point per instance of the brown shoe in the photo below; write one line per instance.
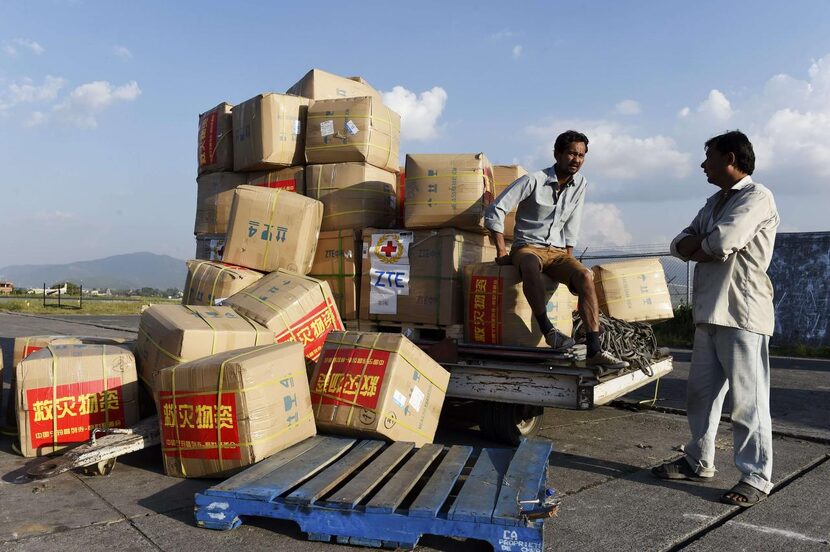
(606, 359)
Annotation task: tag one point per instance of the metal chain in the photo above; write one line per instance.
(631, 341)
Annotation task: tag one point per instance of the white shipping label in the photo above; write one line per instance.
(351, 128)
(416, 399)
(382, 301)
(399, 398)
(327, 128)
(296, 127)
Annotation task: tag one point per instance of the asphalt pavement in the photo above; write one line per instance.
(600, 466)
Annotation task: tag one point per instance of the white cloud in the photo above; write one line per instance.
(86, 101)
(602, 226)
(716, 106)
(11, 48)
(26, 91)
(35, 119)
(517, 51)
(122, 51)
(615, 154)
(419, 113)
(683, 113)
(628, 107)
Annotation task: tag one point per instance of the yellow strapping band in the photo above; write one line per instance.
(167, 353)
(54, 398)
(272, 209)
(211, 326)
(399, 353)
(250, 443)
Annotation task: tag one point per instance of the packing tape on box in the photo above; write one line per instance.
(55, 392)
(220, 391)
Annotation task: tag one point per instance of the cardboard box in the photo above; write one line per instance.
(634, 290)
(268, 132)
(447, 191)
(322, 85)
(337, 263)
(210, 247)
(215, 144)
(497, 313)
(353, 129)
(354, 195)
(214, 195)
(172, 334)
(209, 282)
(377, 385)
(230, 410)
(291, 179)
(63, 391)
(504, 176)
(416, 276)
(293, 307)
(272, 229)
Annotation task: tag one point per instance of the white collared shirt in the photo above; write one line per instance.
(542, 218)
(734, 290)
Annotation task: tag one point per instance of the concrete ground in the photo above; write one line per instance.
(600, 465)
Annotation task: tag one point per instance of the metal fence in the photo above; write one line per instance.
(678, 273)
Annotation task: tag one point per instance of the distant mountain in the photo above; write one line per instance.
(129, 271)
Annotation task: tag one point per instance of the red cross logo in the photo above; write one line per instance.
(389, 249)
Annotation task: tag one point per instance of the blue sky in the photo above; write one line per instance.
(99, 102)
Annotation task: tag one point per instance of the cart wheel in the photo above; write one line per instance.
(509, 423)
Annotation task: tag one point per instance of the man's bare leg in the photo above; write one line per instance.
(588, 306)
(534, 289)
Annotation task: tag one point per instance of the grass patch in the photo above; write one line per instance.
(678, 331)
(70, 306)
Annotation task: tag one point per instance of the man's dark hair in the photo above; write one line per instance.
(564, 140)
(735, 142)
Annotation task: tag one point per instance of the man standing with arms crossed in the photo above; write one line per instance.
(731, 239)
(548, 218)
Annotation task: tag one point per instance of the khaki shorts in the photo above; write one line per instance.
(555, 262)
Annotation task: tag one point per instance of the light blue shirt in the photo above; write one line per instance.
(541, 219)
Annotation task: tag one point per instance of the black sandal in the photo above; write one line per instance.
(751, 495)
(678, 470)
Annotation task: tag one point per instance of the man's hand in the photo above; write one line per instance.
(701, 256)
(570, 250)
(689, 245)
(503, 260)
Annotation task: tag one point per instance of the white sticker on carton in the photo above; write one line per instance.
(389, 270)
(218, 301)
(416, 398)
(399, 398)
(351, 128)
(327, 128)
(296, 127)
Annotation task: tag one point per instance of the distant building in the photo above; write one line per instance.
(6, 288)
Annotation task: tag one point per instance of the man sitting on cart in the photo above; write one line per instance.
(549, 207)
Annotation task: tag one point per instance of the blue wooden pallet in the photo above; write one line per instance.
(379, 494)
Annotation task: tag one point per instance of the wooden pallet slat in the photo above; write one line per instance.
(524, 480)
(478, 496)
(389, 497)
(295, 471)
(439, 486)
(335, 473)
(268, 465)
(370, 477)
